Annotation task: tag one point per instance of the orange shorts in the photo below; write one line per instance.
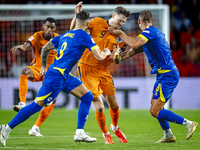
(36, 72)
(96, 79)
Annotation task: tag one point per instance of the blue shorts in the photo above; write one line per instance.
(54, 83)
(165, 85)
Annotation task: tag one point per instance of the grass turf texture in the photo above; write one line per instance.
(140, 128)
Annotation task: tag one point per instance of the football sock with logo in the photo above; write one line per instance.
(170, 116)
(101, 120)
(84, 108)
(44, 114)
(24, 114)
(23, 88)
(114, 113)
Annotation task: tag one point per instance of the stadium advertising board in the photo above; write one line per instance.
(132, 93)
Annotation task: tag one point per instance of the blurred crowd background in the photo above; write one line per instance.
(184, 36)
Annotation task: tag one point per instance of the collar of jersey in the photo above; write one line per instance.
(76, 28)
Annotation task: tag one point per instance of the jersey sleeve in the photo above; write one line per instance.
(146, 34)
(89, 42)
(33, 39)
(55, 41)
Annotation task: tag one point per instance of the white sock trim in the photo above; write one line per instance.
(79, 131)
(186, 122)
(114, 128)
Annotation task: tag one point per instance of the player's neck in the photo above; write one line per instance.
(144, 26)
(79, 27)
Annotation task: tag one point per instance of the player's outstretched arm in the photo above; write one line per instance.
(134, 43)
(44, 56)
(21, 48)
(101, 55)
(131, 52)
(77, 10)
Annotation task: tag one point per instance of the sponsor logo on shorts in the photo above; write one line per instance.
(49, 99)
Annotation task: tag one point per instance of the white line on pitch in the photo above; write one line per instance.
(33, 148)
(39, 137)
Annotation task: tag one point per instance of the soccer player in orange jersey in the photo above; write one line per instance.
(95, 75)
(32, 72)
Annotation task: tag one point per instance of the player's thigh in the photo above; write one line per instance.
(156, 106)
(75, 87)
(90, 78)
(112, 101)
(98, 103)
(27, 72)
(35, 73)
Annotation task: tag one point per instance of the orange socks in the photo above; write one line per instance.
(23, 88)
(101, 120)
(114, 113)
(44, 115)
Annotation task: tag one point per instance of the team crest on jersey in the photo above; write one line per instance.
(31, 38)
(146, 31)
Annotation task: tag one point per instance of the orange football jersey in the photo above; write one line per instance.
(99, 31)
(37, 41)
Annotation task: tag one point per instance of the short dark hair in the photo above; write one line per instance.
(50, 20)
(146, 16)
(83, 15)
(121, 10)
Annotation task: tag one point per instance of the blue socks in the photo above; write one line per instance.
(164, 124)
(24, 114)
(84, 108)
(166, 115)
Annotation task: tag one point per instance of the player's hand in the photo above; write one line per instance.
(113, 31)
(126, 54)
(111, 60)
(78, 7)
(15, 48)
(42, 71)
(116, 51)
(106, 51)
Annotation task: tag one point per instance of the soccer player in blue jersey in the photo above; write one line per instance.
(152, 41)
(70, 46)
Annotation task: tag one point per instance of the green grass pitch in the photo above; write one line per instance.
(140, 128)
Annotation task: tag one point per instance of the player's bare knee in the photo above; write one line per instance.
(24, 72)
(153, 113)
(27, 72)
(114, 106)
(100, 109)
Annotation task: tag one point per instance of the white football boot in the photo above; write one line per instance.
(4, 135)
(19, 106)
(34, 132)
(167, 139)
(81, 136)
(191, 129)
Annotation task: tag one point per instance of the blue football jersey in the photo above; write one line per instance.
(71, 46)
(157, 50)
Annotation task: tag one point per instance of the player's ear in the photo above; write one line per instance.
(151, 21)
(113, 15)
(139, 21)
(43, 26)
